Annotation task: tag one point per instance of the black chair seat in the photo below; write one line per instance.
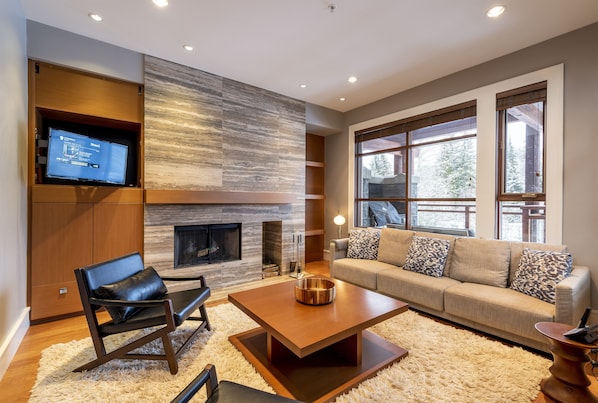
(226, 391)
(184, 303)
(231, 392)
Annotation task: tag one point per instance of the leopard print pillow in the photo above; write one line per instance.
(363, 244)
(539, 272)
(427, 256)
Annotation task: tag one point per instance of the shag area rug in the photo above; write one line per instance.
(445, 364)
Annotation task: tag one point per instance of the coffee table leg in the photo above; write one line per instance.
(350, 349)
(276, 351)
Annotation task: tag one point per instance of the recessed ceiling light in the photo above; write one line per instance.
(352, 79)
(161, 3)
(95, 17)
(341, 99)
(495, 11)
(303, 86)
(188, 48)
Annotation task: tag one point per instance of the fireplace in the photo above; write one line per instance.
(205, 244)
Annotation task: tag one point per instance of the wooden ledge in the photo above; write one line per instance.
(216, 197)
(85, 194)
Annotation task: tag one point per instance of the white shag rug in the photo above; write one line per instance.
(445, 364)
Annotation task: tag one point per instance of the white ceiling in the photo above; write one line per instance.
(390, 45)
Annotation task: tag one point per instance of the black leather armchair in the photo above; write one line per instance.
(226, 391)
(137, 298)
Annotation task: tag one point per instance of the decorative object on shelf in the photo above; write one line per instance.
(315, 291)
(340, 221)
(297, 262)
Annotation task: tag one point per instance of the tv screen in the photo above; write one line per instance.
(77, 157)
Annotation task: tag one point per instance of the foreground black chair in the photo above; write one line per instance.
(137, 298)
(225, 391)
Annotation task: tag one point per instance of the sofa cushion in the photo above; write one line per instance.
(394, 245)
(414, 287)
(363, 244)
(540, 271)
(427, 256)
(482, 261)
(144, 285)
(498, 308)
(451, 239)
(517, 250)
(361, 272)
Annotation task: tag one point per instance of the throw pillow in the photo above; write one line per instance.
(539, 272)
(427, 256)
(363, 244)
(144, 285)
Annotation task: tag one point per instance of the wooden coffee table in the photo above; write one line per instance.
(315, 353)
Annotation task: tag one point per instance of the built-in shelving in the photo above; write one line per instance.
(314, 197)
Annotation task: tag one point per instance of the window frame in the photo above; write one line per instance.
(407, 127)
(486, 139)
(519, 96)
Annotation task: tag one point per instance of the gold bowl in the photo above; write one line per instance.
(315, 291)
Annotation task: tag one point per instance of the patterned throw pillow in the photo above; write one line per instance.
(539, 272)
(427, 256)
(363, 244)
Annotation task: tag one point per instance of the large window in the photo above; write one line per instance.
(521, 197)
(418, 172)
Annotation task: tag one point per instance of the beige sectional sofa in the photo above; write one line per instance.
(473, 288)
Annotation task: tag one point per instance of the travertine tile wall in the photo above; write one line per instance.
(209, 133)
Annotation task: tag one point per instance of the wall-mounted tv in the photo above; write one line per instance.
(76, 157)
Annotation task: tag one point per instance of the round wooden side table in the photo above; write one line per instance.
(568, 382)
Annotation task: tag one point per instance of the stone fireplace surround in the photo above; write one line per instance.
(219, 151)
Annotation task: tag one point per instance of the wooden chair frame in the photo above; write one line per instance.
(161, 326)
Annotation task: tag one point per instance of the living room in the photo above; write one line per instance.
(574, 50)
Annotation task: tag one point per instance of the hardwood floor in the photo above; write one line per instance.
(21, 374)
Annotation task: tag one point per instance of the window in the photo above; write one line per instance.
(419, 171)
(521, 196)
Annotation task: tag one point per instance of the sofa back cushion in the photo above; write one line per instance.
(394, 245)
(517, 250)
(482, 261)
(451, 240)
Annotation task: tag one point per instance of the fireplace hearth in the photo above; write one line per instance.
(206, 244)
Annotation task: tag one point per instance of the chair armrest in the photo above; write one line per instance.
(573, 296)
(206, 377)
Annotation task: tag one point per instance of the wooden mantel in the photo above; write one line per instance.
(168, 196)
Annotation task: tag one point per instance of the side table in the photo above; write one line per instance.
(568, 382)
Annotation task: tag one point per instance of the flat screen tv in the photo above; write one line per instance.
(76, 157)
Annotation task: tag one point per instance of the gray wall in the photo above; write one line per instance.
(14, 318)
(578, 51)
(54, 45)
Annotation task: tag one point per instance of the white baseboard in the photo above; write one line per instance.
(13, 341)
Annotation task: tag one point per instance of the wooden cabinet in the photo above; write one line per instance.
(73, 225)
(314, 197)
(73, 228)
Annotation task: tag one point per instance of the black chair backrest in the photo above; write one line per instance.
(110, 271)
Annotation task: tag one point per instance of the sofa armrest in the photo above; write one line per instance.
(573, 296)
(338, 248)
